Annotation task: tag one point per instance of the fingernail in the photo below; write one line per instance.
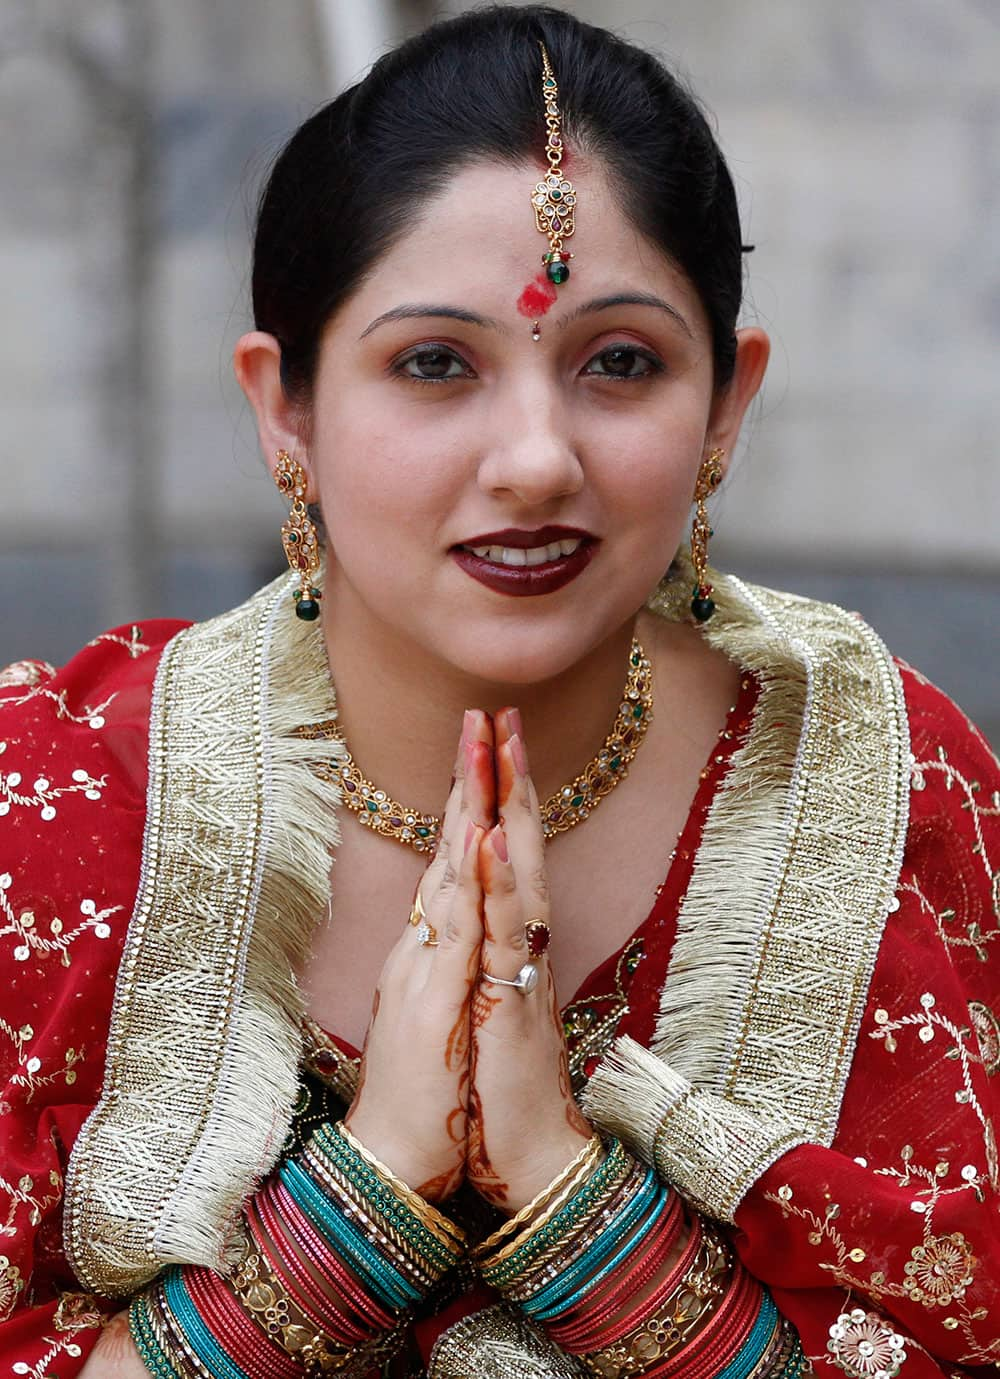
(470, 833)
(468, 726)
(499, 843)
(514, 724)
(519, 754)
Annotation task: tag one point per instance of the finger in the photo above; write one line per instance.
(480, 770)
(460, 936)
(505, 946)
(521, 818)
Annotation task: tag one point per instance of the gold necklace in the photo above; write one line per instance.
(563, 809)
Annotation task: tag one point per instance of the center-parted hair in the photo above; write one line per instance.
(355, 176)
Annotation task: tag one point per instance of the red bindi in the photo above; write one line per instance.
(537, 298)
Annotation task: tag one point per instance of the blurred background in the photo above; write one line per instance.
(865, 142)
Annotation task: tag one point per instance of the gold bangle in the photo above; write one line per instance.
(660, 1335)
(571, 1177)
(440, 1225)
(564, 1250)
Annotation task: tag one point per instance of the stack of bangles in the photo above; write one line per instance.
(339, 1251)
(608, 1263)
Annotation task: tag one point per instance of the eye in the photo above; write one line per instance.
(624, 362)
(432, 364)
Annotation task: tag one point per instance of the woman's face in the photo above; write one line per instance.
(447, 446)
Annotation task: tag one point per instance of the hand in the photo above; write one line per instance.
(524, 1126)
(411, 1105)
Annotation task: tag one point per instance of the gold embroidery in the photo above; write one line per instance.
(202, 1062)
(590, 1023)
(987, 1028)
(26, 674)
(947, 920)
(927, 1021)
(741, 1069)
(865, 1347)
(11, 1284)
(133, 643)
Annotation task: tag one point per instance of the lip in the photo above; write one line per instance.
(518, 539)
(525, 581)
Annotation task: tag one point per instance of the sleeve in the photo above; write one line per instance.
(72, 810)
(884, 1250)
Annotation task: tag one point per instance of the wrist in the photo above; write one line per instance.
(546, 1165)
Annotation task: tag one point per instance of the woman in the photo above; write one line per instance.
(496, 289)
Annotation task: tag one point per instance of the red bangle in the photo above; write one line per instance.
(234, 1330)
(714, 1345)
(582, 1331)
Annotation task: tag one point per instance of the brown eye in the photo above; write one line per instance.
(623, 361)
(433, 366)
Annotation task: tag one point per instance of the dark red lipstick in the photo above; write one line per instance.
(520, 581)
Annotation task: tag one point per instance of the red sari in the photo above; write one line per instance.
(889, 1231)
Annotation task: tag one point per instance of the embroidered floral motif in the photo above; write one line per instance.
(987, 1028)
(939, 1270)
(865, 1347)
(11, 1284)
(26, 673)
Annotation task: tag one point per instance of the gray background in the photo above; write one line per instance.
(865, 141)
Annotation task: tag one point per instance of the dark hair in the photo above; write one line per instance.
(353, 178)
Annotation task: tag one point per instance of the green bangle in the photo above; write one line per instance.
(503, 1274)
(145, 1340)
(381, 1196)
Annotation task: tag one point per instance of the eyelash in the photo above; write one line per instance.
(655, 365)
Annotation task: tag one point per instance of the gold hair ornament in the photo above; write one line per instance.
(709, 479)
(298, 535)
(554, 198)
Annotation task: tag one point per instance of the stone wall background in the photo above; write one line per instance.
(865, 140)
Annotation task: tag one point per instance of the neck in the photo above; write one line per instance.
(401, 707)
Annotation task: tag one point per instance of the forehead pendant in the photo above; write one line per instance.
(554, 198)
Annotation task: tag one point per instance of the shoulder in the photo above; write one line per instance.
(73, 747)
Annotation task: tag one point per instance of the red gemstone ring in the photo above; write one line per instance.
(538, 936)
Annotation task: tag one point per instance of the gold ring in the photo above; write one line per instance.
(426, 933)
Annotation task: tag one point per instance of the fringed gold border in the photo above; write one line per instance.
(781, 923)
(203, 1053)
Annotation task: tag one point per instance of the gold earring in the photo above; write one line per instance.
(709, 479)
(298, 536)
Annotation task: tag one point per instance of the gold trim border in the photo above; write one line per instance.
(780, 928)
(201, 1067)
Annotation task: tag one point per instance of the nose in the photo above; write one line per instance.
(531, 453)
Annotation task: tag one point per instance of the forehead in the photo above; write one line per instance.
(475, 244)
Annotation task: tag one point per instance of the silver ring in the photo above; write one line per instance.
(525, 981)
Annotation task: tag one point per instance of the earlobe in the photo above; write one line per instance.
(257, 365)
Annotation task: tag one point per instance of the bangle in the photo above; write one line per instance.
(673, 1320)
(448, 1232)
(501, 1269)
(575, 1172)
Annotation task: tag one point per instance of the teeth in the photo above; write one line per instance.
(534, 555)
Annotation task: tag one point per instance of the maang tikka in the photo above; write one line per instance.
(554, 198)
(299, 536)
(709, 479)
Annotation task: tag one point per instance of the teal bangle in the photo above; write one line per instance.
(598, 1261)
(749, 1354)
(381, 1195)
(196, 1332)
(145, 1340)
(392, 1287)
(501, 1275)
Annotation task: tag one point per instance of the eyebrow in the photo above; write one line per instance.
(413, 309)
(626, 299)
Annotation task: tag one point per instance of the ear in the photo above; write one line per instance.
(753, 349)
(280, 422)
